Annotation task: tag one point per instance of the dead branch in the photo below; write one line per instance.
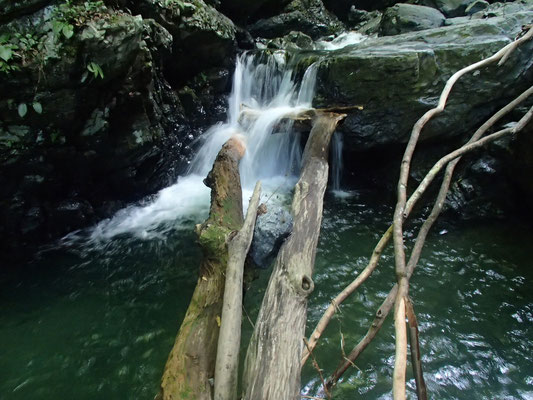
(317, 367)
(421, 390)
(352, 287)
(272, 366)
(383, 242)
(471, 145)
(229, 338)
(399, 214)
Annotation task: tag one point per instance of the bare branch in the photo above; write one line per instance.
(421, 390)
(399, 212)
(229, 337)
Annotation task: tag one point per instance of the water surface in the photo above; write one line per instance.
(98, 322)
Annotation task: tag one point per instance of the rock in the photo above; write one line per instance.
(341, 7)
(246, 11)
(271, 230)
(450, 8)
(307, 16)
(503, 9)
(11, 9)
(113, 133)
(398, 78)
(403, 18)
(476, 6)
(291, 41)
(202, 36)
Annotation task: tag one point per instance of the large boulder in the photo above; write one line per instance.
(202, 37)
(307, 16)
(398, 78)
(450, 8)
(86, 117)
(403, 18)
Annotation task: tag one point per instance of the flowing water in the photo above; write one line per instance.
(95, 316)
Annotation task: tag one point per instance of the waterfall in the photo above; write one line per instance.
(336, 162)
(268, 88)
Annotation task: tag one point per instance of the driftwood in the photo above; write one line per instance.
(398, 388)
(272, 366)
(301, 121)
(452, 159)
(229, 338)
(191, 362)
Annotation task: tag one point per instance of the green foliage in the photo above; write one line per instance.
(37, 107)
(22, 110)
(95, 69)
(7, 52)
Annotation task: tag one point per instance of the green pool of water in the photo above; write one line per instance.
(98, 324)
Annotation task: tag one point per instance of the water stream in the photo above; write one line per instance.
(95, 316)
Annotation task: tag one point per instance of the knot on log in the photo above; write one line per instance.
(303, 284)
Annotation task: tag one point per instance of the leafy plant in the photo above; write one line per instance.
(7, 52)
(96, 70)
(22, 110)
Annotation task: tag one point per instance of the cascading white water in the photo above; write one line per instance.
(269, 90)
(336, 161)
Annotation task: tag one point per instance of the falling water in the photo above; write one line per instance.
(265, 90)
(336, 162)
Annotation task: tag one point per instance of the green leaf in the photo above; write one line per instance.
(5, 53)
(57, 26)
(22, 109)
(68, 31)
(37, 107)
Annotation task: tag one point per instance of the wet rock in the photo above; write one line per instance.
(202, 36)
(476, 6)
(11, 9)
(398, 78)
(307, 16)
(450, 8)
(291, 41)
(403, 18)
(71, 214)
(107, 125)
(246, 11)
(271, 230)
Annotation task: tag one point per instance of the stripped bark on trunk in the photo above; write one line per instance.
(272, 367)
(229, 339)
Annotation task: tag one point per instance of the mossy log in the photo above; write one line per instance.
(191, 363)
(272, 366)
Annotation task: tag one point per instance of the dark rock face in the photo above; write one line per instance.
(88, 118)
(403, 18)
(307, 16)
(247, 11)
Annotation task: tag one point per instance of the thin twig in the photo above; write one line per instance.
(315, 364)
(386, 306)
(421, 390)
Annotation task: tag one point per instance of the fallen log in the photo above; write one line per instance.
(272, 366)
(191, 363)
(229, 338)
(301, 121)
